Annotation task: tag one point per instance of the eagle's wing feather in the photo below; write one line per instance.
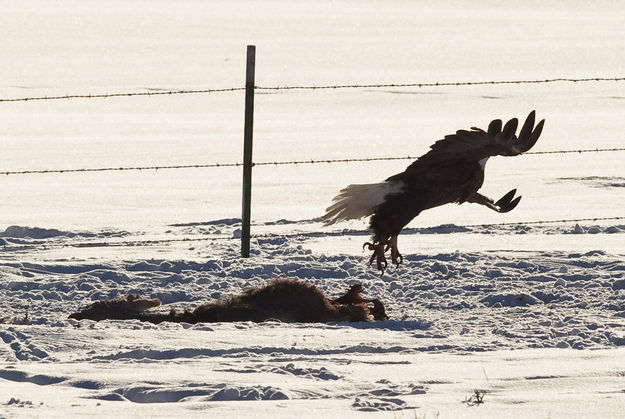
(477, 144)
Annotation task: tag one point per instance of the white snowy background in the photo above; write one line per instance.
(530, 315)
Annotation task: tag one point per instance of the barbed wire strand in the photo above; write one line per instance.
(128, 94)
(445, 84)
(321, 87)
(113, 169)
(291, 235)
(274, 163)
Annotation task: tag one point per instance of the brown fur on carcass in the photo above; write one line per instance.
(286, 300)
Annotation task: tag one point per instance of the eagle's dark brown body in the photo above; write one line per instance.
(451, 172)
(426, 187)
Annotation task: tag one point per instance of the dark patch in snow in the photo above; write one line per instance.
(319, 373)
(142, 393)
(510, 300)
(544, 377)
(596, 181)
(619, 284)
(111, 397)
(87, 384)
(19, 376)
(289, 222)
(379, 404)
(254, 393)
(237, 352)
(222, 222)
(152, 394)
(33, 233)
(22, 349)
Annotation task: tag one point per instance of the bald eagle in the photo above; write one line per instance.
(452, 171)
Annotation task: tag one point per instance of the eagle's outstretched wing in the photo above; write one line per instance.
(477, 144)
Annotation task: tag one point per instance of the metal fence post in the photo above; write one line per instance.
(247, 150)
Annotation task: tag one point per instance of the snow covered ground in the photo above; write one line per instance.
(529, 316)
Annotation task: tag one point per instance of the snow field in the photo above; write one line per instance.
(531, 314)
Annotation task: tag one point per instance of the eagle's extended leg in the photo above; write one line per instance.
(396, 257)
(378, 254)
(379, 248)
(505, 204)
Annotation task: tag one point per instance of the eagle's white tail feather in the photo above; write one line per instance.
(358, 201)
